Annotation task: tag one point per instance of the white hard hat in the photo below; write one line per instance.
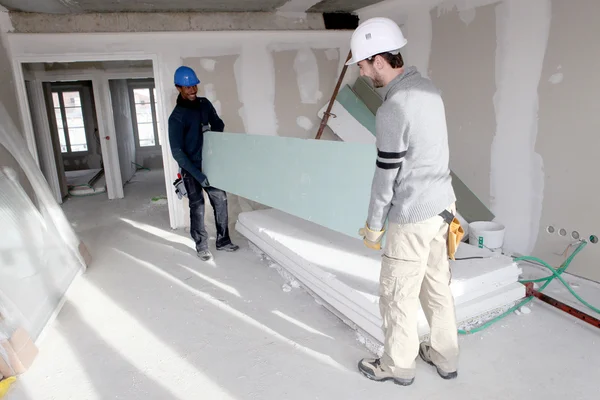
(374, 36)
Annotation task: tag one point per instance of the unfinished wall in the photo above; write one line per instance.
(463, 56)
(303, 85)
(516, 82)
(119, 92)
(295, 85)
(217, 84)
(568, 133)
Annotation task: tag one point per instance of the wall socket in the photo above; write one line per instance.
(574, 234)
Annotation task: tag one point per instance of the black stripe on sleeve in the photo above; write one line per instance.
(389, 165)
(387, 154)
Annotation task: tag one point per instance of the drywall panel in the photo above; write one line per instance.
(462, 65)
(353, 121)
(364, 89)
(119, 92)
(218, 84)
(37, 265)
(8, 101)
(326, 182)
(304, 82)
(7, 87)
(568, 138)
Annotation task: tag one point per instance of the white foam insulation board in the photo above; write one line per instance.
(344, 273)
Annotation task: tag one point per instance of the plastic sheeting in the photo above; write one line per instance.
(39, 251)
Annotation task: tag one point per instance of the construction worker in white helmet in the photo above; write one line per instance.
(411, 191)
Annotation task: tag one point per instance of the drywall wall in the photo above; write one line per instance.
(278, 93)
(163, 22)
(303, 85)
(520, 113)
(119, 93)
(218, 84)
(568, 140)
(462, 65)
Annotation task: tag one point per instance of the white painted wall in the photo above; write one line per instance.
(119, 92)
(516, 78)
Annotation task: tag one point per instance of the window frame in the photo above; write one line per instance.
(59, 90)
(150, 85)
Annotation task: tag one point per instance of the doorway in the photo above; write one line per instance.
(95, 124)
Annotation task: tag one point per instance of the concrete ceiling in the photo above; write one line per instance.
(98, 6)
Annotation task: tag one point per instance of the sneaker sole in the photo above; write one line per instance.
(448, 376)
(397, 381)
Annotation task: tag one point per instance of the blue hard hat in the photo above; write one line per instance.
(185, 76)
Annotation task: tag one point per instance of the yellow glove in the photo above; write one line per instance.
(371, 239)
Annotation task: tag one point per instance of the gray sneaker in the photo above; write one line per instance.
(205, 255)
(372, 369)
(424, 354)
(230, 248)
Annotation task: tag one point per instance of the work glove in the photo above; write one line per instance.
(203, 180)
(371, 238)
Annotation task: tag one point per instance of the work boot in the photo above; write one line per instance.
(229, 248)
(372, 369)
(424, 353)
(205, 255)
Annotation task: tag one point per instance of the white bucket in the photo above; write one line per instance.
(485, 234)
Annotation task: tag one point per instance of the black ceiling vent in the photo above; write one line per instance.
(340, 21)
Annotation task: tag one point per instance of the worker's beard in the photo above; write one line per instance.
(377, 80)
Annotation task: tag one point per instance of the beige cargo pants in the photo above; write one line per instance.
(415, 267)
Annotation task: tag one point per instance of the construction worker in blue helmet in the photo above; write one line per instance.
(191, 117)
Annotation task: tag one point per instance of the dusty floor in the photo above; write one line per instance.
(148, 320)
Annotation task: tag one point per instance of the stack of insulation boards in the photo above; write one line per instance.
(344, 273)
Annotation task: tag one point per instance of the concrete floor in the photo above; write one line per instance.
(148, 320)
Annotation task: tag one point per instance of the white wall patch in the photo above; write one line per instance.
(307, 75)
(517, 176)
(208, 64)
(209, 92)
(255, 76)
(556, 78)
(304, 123)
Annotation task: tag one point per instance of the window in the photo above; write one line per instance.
(145, 117)
(69, 121)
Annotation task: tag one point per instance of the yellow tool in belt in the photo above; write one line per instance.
(455, 232)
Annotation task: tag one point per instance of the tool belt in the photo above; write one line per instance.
(455, 232)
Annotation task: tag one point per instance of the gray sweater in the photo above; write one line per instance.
(412, 180)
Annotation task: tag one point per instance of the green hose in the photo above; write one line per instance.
(556, 274)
